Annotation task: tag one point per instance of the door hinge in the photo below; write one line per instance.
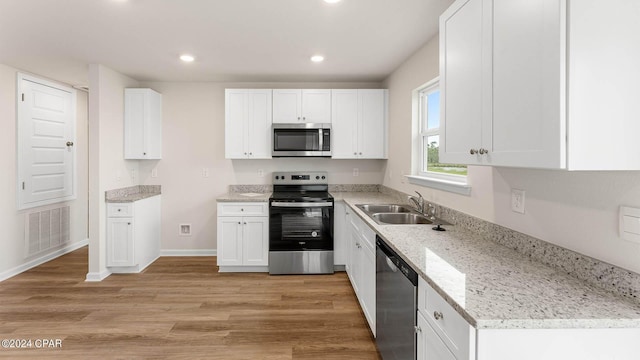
(22, 96)
(23, 185)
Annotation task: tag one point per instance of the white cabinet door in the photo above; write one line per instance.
(528, 124)
(255, 241)
(120, 244)
(368, 301)
(344, 124)
(229, 240)
(259, 124)
(247, 124)
(235, 123)
(372, 111)
(287, 106)
(430, 347)
(316, 106)
(142, 124)
(355, 273)
(465, 101)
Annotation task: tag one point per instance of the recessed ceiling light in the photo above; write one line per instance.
(332, 1)
(187, 58)
(317, 58)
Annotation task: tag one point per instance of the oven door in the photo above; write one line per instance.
(300, 226)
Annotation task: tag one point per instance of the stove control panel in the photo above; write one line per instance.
(300, 178)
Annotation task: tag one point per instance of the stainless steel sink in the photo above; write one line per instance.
(374, 208)
(400, 218)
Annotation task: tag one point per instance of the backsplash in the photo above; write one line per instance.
(610, 277)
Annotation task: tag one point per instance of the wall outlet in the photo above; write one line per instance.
(356, 172)
(118, 175)
(517, 200)
(205, 172)
(132, 172)
(154, 173)
(260, 173)
(184, 230)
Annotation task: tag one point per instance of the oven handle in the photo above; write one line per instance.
(301, 204)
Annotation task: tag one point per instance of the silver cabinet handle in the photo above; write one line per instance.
(417, 329)
(473, 151)
(245, 223)
(128, 223)
(355, 153)
(437, 315)
(239, 223)
(241, 209)
(69, 143)
(483, 151)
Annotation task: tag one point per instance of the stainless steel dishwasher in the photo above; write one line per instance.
(396, 304)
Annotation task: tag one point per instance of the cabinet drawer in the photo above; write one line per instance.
(120, 210)
(242, 209)
(450, 326)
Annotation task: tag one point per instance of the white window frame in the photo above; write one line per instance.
(447, 182)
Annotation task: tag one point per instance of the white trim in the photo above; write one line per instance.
(440, 184)
(21, 205)
(43, 259)
(189, 252)
(96, 277)
(243, 269)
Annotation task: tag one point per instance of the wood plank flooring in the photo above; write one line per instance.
(182, 308)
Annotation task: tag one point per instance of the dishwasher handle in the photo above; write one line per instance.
(404, 268)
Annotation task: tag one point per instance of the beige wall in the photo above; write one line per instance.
(107, 168)
(13, 221)
(576, 210)
(193, 139)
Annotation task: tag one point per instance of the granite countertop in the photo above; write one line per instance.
(132, 193)
(494, 287)
(244, 197)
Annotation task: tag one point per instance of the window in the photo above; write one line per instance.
(428, 170)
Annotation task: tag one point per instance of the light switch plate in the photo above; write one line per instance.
(517, 200)
(629, 224)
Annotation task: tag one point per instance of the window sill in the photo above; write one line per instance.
(440, 184)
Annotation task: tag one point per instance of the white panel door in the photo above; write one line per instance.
(229, 240)
(430, 347)
(316, 106)
(372, 124)
(344, 124)
(259, 124)
(528, 126)
(120, 245)
(235, 123)
(462, 81)
(46, 136)
(135, 112)
(287, 106)
(255, 241)
(368, 293)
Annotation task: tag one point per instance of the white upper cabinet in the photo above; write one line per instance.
(301, 106)
(359, 124)
(248, 123)
(142, 124)
(507, 99)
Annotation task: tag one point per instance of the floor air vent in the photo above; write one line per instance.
(46, 229)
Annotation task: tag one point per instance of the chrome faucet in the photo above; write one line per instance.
(418, 201)
(431, 212)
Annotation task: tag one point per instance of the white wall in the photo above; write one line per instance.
(193, 139)
(12, 221)
(577, 211)
(107, 168)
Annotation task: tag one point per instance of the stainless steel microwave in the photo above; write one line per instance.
(299, 140)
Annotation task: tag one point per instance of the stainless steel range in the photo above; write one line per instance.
(300, 224)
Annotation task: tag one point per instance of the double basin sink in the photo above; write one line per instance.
(396, 215)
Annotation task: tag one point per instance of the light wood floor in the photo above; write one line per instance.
(182, 308)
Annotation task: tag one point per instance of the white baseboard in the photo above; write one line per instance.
(95, 276)
(188, 252)
(43, 259)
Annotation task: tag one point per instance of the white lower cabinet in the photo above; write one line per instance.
(361, 266)
(133, 235)
(243, 237)
(442, 333)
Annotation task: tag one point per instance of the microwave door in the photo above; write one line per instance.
(296, 142)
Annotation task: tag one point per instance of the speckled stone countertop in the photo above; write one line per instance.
(493, 286)
(244, 197)
(132, 193)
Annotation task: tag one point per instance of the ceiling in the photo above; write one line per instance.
(232, 40)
